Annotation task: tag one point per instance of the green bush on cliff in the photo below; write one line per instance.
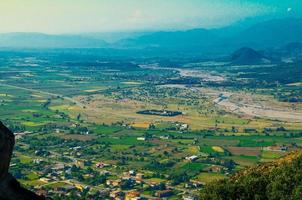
(279, 180)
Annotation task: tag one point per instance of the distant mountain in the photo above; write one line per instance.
(292, 50)
(113, 37)
(280, 179)
(247, 56)
(223, 41)
(191, 39)
(271, 33)
(39, 40)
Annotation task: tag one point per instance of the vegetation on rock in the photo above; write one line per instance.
(280, 179)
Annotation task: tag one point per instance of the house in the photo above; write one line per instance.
(114, 183)
(76, 148)
(194, 184)
(132, 173)
(58, 166)
(75, 125)
(37, 161)
(184, 127)
(276, 148)
(141, 139)
(118, 195)
(101, 165)
(42, 153)
(129, 174)
(189, 197)
(139, 180)
(154, 185)
(164, 193)
(140, 175)
(42, 192)
(132, 195)
(79, 164)
(214, 168)
(105, 172)
(21, 134)
(164, 137)
(103, 194)
(284, 148)
(192, 158)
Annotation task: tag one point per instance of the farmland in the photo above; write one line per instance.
(87, 124)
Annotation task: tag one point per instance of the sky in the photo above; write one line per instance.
(83, 16)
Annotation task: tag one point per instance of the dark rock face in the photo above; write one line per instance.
(10, 188)
(7, 142)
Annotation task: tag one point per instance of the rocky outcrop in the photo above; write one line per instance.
(10, 188)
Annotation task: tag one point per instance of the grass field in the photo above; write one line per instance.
(70, 118)
(209, 177)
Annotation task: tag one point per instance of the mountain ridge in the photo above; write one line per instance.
(194, 41)
(42, 40)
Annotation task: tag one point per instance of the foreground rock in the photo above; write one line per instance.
(10, 188)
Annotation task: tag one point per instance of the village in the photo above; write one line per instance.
(66, 170)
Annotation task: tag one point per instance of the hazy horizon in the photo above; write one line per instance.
(92, 16)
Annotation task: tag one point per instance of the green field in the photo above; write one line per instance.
(78, 126)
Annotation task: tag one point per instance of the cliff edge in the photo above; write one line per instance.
(10, 188)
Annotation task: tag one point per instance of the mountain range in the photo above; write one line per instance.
(259, 36)
(40, 40)
(264, 35)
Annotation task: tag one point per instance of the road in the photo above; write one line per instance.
(46, 93)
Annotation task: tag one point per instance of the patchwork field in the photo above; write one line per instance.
(79, 125)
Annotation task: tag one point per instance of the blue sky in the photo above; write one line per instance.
(78, 16)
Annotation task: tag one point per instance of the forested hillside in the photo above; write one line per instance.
(281, 179)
